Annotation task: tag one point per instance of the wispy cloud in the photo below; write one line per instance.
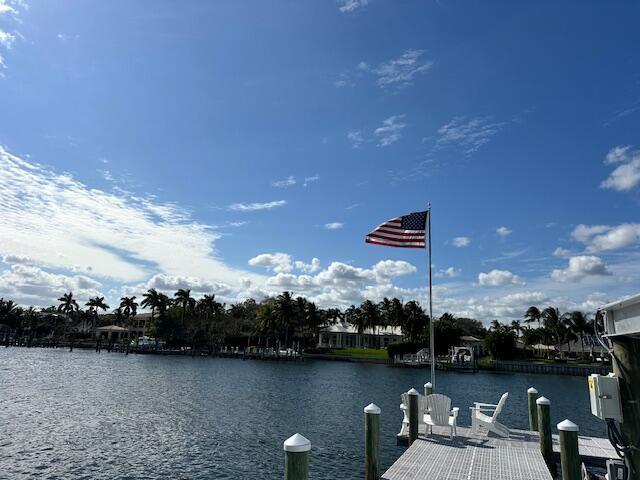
(356, 138)
(111, 234)
(469, 135)
(350, 6)
(503, 231)
(333, 225)
(8, 8)
(396, 73)
(311, 179)
(399, 72)
(626, 175)
(390, 131)
(252, 207)
(287, 182)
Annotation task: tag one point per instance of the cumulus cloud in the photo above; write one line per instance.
(603, 237)
(498, 278)
(627, 174)
(122, 236)
(31, 285)
(579, 268)
(503, 231)
(450, 272)
(469, 135)
(17, 259)
(390, 131)
(461, 241)
(333, 225)
(170, 283)
(312, 267)
(252, 207)
(399, 72)
(277, 262)
(350, 6)
(287, 182)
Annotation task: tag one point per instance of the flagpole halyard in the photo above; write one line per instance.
(431, 335)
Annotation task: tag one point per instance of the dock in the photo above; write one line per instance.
(470, 456)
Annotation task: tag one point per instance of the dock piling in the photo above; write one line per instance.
(544, 428)
(413, 415)
(532, 395)
(569, 456)
(296, 458)
(428, 388)
(372, 442)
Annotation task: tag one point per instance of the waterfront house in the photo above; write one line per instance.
(345, 335)
(112, 333)
(473, 343)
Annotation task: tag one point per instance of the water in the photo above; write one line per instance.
(85, 415)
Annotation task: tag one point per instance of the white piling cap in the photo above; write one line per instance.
(428, 385)
(532, 390)
(297, 443)
(543, 401)
(372, 408)
(413, 391)
(567, 426)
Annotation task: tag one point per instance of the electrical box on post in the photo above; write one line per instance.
(604, 393)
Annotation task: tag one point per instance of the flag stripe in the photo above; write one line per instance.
(408, 231)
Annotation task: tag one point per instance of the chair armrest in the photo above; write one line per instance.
(479, 404)
(482, 409)
(454, 411)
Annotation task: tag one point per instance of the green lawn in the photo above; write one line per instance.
(358, 352)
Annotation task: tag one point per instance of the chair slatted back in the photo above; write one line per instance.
(439, 408)
(503, 400)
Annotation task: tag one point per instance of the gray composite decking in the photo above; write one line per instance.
(478, 457)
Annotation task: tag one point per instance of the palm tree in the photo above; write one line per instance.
(533, 314)
(495, 324)
(184, 300)
(129, 306)
(95, 304)
(579, 325)
(553, 323)
(516, 327)
(354, 316)
(415, 321)
(68, 304)
(371, 315)
(151, 299)
(285, 306)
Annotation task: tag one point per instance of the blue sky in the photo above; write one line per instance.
(224, 145)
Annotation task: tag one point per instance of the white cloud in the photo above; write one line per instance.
(121, 236)
(350, 6)
(469, 135)
(603, 237)
(312, 267)
(30, 285)
(498, 278)
(287, 182)
(333, 225)
(277, 262)
(626, 175)
(169, 283)
(400, 71)
(17, 259)
(561, 252)
(461, 241)
(389, 132)
(311, 179)
(393, 268)
(579, 268)
(503, 231)
(450, 272)
(6, 39)
(252, 207)
(356, 138)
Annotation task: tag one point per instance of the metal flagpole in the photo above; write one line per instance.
(431, 337)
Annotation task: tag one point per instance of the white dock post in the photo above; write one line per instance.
(532, 395)
(569, 454)
(413, 415)
(428, 388)
(372, 442)
(296, 458)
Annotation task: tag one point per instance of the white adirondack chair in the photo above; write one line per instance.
(404, 407)
(483, 420)
(439, 413)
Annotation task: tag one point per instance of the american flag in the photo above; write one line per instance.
(407, 231)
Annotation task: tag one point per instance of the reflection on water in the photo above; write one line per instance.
(88, 415)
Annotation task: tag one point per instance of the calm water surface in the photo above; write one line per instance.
(87, 415)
